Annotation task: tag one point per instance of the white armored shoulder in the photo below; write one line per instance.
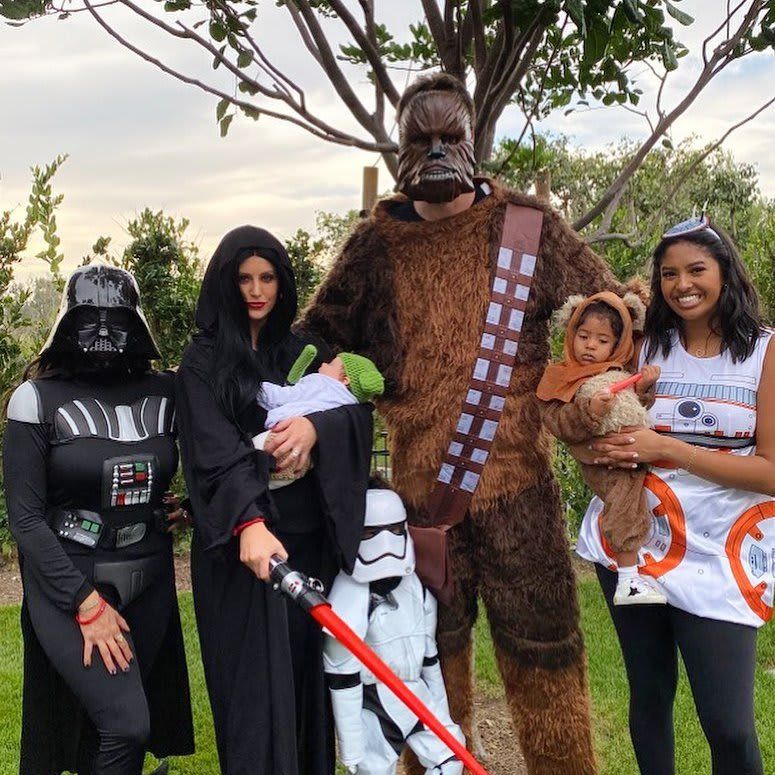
(25, 404)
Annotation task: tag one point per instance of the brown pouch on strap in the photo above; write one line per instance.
(467, 453)
(432, 560)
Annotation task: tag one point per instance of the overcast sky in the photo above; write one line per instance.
(138, 138)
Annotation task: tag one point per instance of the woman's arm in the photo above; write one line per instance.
(755, 472)
(227, 479)
(25, 455)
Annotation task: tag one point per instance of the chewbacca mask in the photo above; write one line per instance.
(436, 148)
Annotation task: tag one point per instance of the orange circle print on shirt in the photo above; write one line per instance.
(751, 557)
(665, 546)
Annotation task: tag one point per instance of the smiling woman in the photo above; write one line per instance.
(710, 487)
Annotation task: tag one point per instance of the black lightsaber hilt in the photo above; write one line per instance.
(306, 592)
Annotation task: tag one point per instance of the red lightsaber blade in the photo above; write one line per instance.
(625, 383)
(298, 587)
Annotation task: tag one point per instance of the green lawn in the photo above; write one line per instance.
(608, 685)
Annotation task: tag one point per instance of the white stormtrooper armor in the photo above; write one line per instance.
(386, 605)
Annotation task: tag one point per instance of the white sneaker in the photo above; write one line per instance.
(638, 590)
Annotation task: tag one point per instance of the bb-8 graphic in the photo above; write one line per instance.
(707, 414)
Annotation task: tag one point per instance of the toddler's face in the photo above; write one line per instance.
(335, 369)
(594, 340)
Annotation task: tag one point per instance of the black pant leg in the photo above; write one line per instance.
(648, 646)
(116, 704)
(720, 659)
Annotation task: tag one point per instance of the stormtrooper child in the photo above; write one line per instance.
(384, 602)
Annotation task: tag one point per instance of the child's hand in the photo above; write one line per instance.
(600, 403)
(650, 374)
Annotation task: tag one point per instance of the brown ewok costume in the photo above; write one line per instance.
(565, 392)
(412, 294)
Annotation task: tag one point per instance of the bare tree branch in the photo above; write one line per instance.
(281, 81)
(329, 133)
(369, 48)
(306, 38)
(682, 177)
(332, 69)
(721, 57)
(437, 29)
(531, 114)
(503, 90)
(725, 23)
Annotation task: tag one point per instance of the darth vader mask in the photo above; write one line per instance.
(386, 549)
(100, 317)
(436, 147)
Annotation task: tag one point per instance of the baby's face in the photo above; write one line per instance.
(335, 369)
(594, 340)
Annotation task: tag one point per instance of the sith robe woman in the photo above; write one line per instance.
(263, 662)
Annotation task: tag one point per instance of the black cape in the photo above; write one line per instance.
(262, 659)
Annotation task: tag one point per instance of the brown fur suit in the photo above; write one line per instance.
(412, 296)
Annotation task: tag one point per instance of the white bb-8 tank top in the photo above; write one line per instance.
(711, 548)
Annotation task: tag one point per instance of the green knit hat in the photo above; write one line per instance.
(366, 382)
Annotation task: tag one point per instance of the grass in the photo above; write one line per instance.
(607, 683)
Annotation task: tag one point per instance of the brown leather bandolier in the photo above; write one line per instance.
(466, 456)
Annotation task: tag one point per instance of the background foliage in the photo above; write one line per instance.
(168, 267)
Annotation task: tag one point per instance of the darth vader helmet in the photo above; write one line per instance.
(100, 316)
(386, 549)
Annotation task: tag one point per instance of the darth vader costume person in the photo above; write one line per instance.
(262, 660)
(386, 605)
(89, 452)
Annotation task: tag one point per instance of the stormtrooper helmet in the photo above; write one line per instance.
(386, 549)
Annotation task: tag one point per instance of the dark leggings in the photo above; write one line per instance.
(720, 658)
(116, 704)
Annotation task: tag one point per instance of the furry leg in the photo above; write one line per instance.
(550, 711)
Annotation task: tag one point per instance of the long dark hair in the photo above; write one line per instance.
(238, 369)
(737, 318)
(222, 321)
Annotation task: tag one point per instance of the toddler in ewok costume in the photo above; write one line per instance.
(385, 604)
(412, 294)
(577, 404)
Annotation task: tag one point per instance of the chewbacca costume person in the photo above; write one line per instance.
(411, 292)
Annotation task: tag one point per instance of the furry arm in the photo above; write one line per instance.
(354, 308)
(571, 265)
(571, 422)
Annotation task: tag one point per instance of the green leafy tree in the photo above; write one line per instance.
(303, 250)
(540, 55)
(15, 236)
(168, 271)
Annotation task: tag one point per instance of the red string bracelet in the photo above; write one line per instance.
(237, 530)
(100, 610)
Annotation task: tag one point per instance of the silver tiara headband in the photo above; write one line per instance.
(691, 226)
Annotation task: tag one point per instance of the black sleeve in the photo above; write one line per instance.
(342, 464)
(227, 478)
(25, 453)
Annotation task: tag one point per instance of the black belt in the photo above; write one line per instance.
(89, 529)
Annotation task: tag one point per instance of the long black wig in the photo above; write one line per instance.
(222, 316)
(737, 319)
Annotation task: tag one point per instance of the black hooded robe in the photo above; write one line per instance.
(263, 657)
